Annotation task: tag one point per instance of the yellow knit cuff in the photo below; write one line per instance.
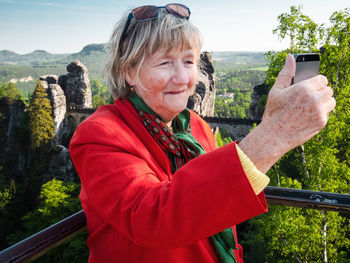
(257, 179)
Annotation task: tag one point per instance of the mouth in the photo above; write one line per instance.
(176, 92)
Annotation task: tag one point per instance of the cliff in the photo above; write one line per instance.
(203, 99)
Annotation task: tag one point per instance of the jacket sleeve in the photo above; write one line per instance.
(205, 196)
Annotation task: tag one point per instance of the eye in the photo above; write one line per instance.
(189, 62)
(164, 62)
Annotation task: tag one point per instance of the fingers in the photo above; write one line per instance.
(286, 75)
(332, 103)
(321, 103)
(326, 92)
(318, 82)
(318, 91)
(325, 95)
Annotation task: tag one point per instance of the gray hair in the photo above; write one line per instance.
(143, 38)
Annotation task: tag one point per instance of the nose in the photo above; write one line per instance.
(181, 74)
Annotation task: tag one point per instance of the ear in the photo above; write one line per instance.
(129, 76)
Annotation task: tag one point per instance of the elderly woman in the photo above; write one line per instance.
(153, 185)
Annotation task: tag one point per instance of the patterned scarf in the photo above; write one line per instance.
(180, 146)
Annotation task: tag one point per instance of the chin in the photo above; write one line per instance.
(177, 108)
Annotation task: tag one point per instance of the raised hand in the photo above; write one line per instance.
(293, 114)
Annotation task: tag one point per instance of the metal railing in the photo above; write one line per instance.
(40, 243)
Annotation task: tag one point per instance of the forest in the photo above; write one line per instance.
(284, 234)
(233, 91)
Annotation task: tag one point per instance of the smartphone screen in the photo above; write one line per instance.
(307, 66)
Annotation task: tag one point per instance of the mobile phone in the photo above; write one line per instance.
(307, 66)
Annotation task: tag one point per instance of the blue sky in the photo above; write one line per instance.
(66, 26)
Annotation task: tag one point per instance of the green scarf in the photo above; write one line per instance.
(223, 241)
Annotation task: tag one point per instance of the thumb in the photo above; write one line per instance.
(286, 75)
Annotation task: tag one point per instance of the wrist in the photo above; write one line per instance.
(257, 179)
(262, 147)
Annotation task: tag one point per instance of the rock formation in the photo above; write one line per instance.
(256, 108)
(46, 80)
(57, 99)
(76, 86)
(11, 116)
(60, 165)
(58, 103)
(70, 91)
(203, 99)
(11, 119)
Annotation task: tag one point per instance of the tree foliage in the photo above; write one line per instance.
(40, 119)
(304, 34)
(100, 95)
(236, 107)
(57, 200)
(237, 80)
(10, 91)
(305, 235)
(7, 193)
(233, 90)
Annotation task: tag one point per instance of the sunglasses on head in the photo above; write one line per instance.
(150, 12)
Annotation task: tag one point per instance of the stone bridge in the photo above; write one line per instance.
(238, 128)
(79, 114)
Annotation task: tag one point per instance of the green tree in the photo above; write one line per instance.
(305, 235)
(40, 119)
(100, 95)
(218, 139)
(304, 34)
(10, 91)
(98, 100)
(57, 200)
(6, 193)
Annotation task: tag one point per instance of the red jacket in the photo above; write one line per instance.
(137, 210)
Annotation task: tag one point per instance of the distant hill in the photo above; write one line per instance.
(40, 62)
(90, 53)
(92, 56)
(224, 60)
(36, 57)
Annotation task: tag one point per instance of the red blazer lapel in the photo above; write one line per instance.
(127, 111)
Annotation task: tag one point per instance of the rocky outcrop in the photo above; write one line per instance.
(76, 86)
(203, 99)
(46, 80)
(72, 90)
(60, 165)
(68, 91)
(256, 107)
(66, 131)
(58, 103)
(12, 157)
(11, 118)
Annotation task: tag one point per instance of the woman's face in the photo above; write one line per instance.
(165, 81)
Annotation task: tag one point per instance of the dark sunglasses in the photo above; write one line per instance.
(150, 12)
